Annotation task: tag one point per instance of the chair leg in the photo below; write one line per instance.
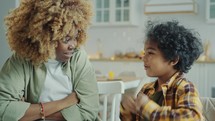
(117, 107)
(104, 115)
(113, 108)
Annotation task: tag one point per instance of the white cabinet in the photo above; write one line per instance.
(116, 12)
(202, 75)
(210, 11)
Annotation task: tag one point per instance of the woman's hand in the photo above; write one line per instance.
(128, 103)
(52, 109)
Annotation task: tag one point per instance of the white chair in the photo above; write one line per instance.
(113, 90)
(208, 108)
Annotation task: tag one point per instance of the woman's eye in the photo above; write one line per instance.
(66, 40)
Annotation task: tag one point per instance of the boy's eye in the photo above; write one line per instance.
(150, 53)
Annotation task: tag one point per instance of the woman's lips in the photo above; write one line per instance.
(68, 54)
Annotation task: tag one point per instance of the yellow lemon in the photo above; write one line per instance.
(111, 75)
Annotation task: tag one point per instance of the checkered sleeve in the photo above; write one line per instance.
(126, 115)
(188, 106)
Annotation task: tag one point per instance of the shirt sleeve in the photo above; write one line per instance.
(126, 115)
(188, 106)
(12, 84)
(85, 85)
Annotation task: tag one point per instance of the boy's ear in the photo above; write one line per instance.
(175, 61)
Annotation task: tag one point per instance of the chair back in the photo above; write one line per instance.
(208, 108)
(113, 90)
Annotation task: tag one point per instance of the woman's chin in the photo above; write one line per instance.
(65, 59)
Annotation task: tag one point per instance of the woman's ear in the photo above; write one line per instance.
(175, 61)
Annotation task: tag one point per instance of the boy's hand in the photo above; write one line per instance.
(141, 100)
(128, 103)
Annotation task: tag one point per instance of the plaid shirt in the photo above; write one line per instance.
(181, 103)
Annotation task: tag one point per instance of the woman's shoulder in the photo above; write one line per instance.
(79, 57)
(80, 52)
(15, 58)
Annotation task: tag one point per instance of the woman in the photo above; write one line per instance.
(49, 75)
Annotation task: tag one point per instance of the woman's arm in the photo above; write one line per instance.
(34, 111)
(56, 116)
(85, 85)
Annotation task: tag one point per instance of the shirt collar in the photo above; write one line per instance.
(172, 79)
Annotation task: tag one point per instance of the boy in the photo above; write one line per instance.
(170, 50)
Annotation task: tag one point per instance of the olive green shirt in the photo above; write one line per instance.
(19, 78)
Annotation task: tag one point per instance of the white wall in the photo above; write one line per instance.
(130, 38)
(126, 39)
(4, 48)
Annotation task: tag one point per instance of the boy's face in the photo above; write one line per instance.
(65, 49)
(154, 62)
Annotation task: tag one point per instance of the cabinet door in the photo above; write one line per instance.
(210, 12)
(122, 10)
(115, 12)
(102, 11)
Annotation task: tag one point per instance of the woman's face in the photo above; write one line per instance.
(65, 48)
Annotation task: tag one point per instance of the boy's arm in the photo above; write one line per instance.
(189, 106)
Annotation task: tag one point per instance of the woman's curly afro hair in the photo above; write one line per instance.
(175, 42)
(34, 28)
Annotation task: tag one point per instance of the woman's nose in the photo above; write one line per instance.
(72, 44)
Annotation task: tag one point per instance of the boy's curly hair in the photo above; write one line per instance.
(34, 28)
(175, 41)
